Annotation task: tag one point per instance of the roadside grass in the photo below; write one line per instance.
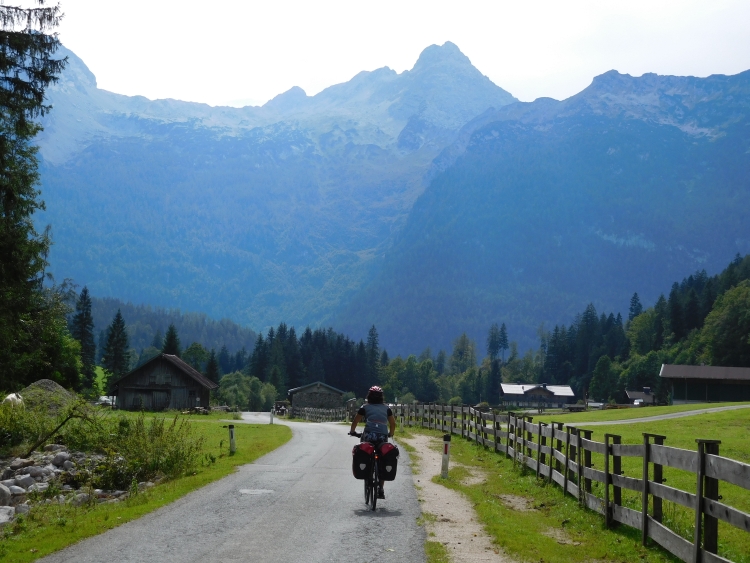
(625, 414)
(51, 527)
(555, 529)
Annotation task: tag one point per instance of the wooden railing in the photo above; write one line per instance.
(563, 455)
(319, 415)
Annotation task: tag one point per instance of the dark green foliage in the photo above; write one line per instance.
(225, 361)
(212, 368)
(115, 359)
(196, 355)
(172, 342)
(34, 341)
(604, 381)
(493, 342)
(82, 329)
(464, 355)
(636, 308)
(726, 334)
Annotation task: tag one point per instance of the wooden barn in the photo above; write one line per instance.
(164, 382)
(316, 395)
(706, 384)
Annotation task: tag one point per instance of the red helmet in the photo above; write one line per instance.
(375, 389)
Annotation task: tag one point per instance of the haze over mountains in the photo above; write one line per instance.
(429, 202)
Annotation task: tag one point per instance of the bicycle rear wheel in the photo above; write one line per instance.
(368, 488)
(375, 483)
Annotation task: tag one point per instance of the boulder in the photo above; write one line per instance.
(20, 463)
(79, 499)
(35, 472)
(41, 487)
(53, 448)
(60, 458)
(8, 482)
(6, 514)
(4, 495)
(26, 481)
(68, 465)
(23, 509)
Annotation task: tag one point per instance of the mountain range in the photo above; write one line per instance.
(428, 203)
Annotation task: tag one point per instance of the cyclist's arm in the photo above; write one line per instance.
(357, 419)
(392, 424)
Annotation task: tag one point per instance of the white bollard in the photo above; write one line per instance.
(232, 445)
(446, 455)
(271, 416)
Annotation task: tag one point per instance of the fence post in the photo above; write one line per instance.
(557, 444)
(607, 480)
(496, 446)
(586, 461)
(507, 438)
(539, 455)
(616, 470)
(658, 478)
(579, 451)
(529, 438)
(644, 493)
(705, 525)
(567, 460)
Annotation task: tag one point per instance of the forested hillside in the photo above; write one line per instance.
(541, 208)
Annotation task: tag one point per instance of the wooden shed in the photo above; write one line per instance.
(316, 395)
(164, 382)
(535, 395)
(705, 384)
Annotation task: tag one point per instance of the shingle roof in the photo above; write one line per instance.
(645, 397)
(523, 389)
(181, 365)
(296, 389)
(671, 371)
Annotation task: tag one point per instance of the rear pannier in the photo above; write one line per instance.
(388, 462)
(362, 460)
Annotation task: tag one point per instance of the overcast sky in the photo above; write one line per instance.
(249, 51)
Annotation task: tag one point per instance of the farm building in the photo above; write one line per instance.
(316, 395)
(163, 382)
(646, 396)
(535, 395)
(701, 384)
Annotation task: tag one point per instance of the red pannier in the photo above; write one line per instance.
(388, 461)
(362, 456)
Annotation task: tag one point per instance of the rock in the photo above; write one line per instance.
(4, 495)
(22, 509)
(20, 463)
(68, 465)
(7, 473)
(26, 481)
(35, 472)
(16, 490)
(67, 488)
(79, 499)
(60, 458)
(8, 482)
(41, 487)
(18, 495)
(6, 514)
(53, 448)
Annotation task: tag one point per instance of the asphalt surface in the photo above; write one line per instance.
(299, 503)
(659, 416)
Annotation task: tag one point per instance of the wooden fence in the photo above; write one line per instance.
(564, 456)
(319, 415)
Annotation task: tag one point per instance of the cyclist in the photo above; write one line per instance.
(380, 424)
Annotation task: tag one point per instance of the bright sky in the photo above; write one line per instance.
(248, 51)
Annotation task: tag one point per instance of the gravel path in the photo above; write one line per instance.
(659, 416)
(298, 503)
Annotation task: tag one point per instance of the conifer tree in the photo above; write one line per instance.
(373, 354)
(635, 307)
(158, 341)
(34, 340)
(212, 367)
(172, 342)
(493, 342)
(225, 361)
(503, 339)
(82, 329)
(116, 360)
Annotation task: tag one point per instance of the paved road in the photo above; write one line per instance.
(659, 416)
(298, 503)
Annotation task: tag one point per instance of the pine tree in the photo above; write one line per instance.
(384, 360)
(503, 339)
(373, 355)
(635, 307)
(82, 329)
(493, 342)
(172, 342)
(116, 359)
(158, 341)
(34, 340)
(225, 362)
(212, 367)
(676, 315)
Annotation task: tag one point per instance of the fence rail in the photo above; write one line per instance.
(562, 455)
(319, 415)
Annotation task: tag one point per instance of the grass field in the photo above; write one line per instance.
(52, 527)
(525, 534)
(625, 414)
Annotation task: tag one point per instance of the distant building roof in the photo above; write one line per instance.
(642, 395)
(314, 384)
(529, 388)
(671, 371)
(181, 365)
